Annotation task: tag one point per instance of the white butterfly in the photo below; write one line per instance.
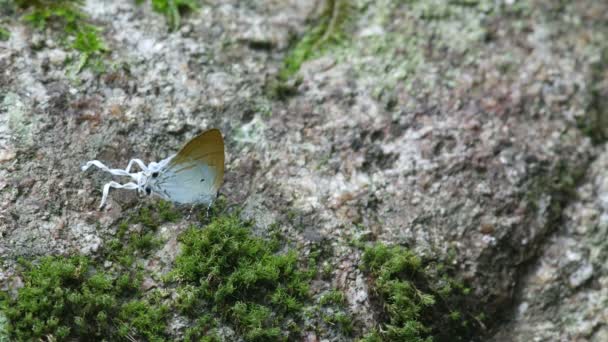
(193, 175)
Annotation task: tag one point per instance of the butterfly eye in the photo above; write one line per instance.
(148, 190)
(154, 174)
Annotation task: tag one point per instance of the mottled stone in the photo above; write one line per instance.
(451, 128)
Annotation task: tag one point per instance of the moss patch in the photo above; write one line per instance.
(595, 121)
(77, 297)
(245, 281)
(417, 299)
(334, 312)
(70, 298)
(4, 34)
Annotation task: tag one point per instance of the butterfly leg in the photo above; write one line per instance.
(138, 162)
(107, 186)
(102, 166)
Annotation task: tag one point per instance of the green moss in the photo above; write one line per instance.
(338, 316)
(69, 298)
(65, 13)
(333, 297)
(171, 9)
(76, 298)
(128, 245)
(4, 336)
(418, 300)
(203, 330)
(153, 216)
(4, 34)
(341, 320)
(144, 317)
(595, 121)
(242, 279)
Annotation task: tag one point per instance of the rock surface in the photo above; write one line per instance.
(562, 296)
(451, 127)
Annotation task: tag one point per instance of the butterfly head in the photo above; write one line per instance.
(148, 179)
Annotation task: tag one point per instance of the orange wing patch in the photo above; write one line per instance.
(207, 147)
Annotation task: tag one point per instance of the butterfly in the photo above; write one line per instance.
(191, 176)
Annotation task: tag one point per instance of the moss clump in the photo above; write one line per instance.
(243, 280)
(333, 297)
(4, 336)
(338, 316)
(130, 244)
(418, 300)
(4, 34)
(75, 298)
(68, 298)
(171, 9)
(41, 13)
(595, 121)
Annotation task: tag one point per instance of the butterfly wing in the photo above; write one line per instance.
(196, 172)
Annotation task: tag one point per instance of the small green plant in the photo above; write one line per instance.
(171, 9)
(419, 301)
(225, 270)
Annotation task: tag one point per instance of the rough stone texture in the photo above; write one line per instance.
(563, 296)
(449, 127)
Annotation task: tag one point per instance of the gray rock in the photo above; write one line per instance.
(453, 129)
